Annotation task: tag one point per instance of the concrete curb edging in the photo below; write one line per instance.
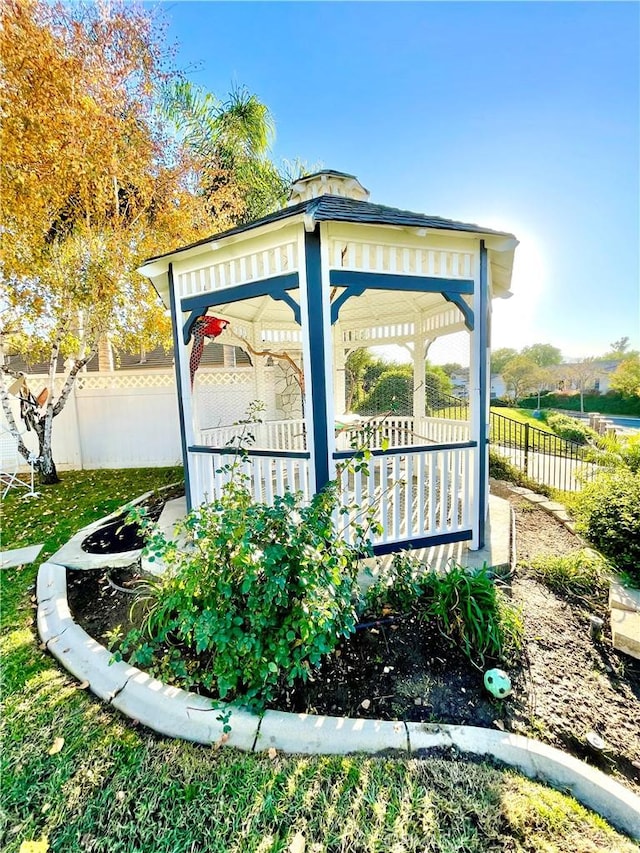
(174, 712)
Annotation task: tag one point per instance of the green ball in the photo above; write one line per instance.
(497, 683)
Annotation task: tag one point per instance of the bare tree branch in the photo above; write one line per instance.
(66, 388)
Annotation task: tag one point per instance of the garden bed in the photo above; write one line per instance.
(566, 686)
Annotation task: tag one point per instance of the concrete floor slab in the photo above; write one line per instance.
(623, 597)
(625, 631)
(19, 556)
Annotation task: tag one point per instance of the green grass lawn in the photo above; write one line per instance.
(522, 416)
(114, 787)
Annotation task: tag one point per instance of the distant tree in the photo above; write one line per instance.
(393, 392)
(620, 346)
(439, 386)
(626, 377)
(451, 367)
(228, 142)
(501, 357)
(543, 381)
(620, 350)
(582, 375)
(92, 183)
(544, 355)
(521, 376)
(355, 367)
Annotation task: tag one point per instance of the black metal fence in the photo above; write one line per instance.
(543, 457)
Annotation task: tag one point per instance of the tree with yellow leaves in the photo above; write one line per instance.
(93, 181)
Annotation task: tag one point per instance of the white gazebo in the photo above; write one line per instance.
(300, 289)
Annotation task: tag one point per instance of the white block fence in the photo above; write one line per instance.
(130, 419)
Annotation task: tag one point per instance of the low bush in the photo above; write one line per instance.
(255, 597)
(571, 428)
(610, 403)
(501, 469)
(584, 572)
(467, 606)
(607, 512)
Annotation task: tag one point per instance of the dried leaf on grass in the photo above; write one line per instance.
(56, 746)
(35, 846)
(298, 844)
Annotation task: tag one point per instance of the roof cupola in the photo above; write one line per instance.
(327, 182)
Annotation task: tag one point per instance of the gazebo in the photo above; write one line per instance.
(298, 290)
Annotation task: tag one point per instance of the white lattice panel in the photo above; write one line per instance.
(104, 381)
(224, 378)
(242, 269)
(378, 257)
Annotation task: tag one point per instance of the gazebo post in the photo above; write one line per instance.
(181, 366)
(478, 399)
(419, 375)
(339, 372)
(315, 314)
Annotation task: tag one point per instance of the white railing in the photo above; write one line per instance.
(396, 431)
(373, 433)
(413, 494)
(270, 435)
(267, 475)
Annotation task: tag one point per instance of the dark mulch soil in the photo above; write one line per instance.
(567, 685)
(116, 536)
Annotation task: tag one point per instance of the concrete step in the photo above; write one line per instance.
(623, 598)
(625, 630)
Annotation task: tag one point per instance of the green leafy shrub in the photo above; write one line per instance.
(253, 596)
(583, 572)
(571, 428)
(610, 403)
(607, 512)
(467, 606)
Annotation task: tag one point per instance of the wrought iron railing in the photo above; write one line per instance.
(542, 456)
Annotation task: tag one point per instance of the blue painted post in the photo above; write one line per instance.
(483, 447)
(180, 366)
(316, 325)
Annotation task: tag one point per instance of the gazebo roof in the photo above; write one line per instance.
(341, 209)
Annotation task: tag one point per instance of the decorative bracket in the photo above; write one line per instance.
(467, 312)
(277, 287)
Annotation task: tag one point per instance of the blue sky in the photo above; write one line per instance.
(522, 116)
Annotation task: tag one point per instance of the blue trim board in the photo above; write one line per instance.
(355, 284)
(410, 448)
(395, 281)
(423, 542)
(315, 325)
(275, 287)
(236, 451)
(176, 345)
(483, 348)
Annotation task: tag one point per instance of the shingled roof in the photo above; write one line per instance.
(341, 209)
